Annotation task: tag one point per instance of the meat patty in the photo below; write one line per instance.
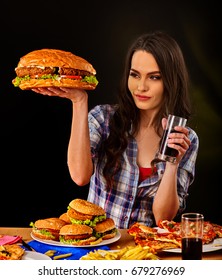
(33, 71)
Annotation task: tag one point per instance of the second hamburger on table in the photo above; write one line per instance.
(76, 234)
(105, 229)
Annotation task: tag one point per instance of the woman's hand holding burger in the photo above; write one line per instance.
(75, 95)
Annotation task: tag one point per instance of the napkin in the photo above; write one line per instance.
(77, 252)
(9, 239)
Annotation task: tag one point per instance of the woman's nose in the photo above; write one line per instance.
(142, 85)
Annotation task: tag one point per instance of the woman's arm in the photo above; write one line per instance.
(79, 153)
(166, 202)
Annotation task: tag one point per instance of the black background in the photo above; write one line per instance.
(35, 129)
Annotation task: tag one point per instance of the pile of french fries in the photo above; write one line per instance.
(128, 253)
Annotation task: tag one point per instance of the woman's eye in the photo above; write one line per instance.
(155, 77)
(133, 74)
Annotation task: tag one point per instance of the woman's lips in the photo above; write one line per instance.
(142, 97)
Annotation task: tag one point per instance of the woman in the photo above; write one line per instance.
(114, 147)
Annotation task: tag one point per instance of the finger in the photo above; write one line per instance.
(182, 129)
(182, 141)
(180, 135)
(41, 91)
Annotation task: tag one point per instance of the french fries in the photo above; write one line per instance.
(128, 253)
(62, 256)
(50, 253)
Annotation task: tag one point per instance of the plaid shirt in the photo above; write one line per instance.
(132, 201)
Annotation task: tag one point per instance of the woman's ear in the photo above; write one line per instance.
(164, 123)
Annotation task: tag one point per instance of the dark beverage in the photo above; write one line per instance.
(192, 248)
(166, 153)
(164, 149)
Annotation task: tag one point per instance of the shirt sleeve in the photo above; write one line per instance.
(98, 119)
(186, 171)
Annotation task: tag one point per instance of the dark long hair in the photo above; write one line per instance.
(126, 120)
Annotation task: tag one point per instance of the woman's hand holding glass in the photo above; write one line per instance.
(179, 141)
(176, 139)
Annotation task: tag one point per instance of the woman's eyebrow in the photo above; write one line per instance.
(152, 72)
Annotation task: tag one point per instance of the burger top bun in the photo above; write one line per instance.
(55, 58)
(65, 218)
(75, 229)
(50, 223)
(105, 225)
(86, 207)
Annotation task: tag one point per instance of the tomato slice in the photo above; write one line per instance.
(71, 77)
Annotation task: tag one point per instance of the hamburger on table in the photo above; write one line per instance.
(77, 234)
(84, 223)
(84, 212)
(105, 229)
(81, 234)
(48, 228)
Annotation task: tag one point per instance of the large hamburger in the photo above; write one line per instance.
(105, 229)
(48, 228)
(76, 234)
(84, 212)
(54, 68)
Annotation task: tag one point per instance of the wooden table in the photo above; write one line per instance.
(125, 240)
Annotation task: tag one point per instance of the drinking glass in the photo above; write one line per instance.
(166, 153)
(192, 236)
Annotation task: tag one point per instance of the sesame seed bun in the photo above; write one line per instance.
(86, 207)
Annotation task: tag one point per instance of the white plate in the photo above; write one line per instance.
(213, 246)
(29, 255)
(58, 243)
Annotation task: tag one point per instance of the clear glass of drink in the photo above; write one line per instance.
(192, 236)
(166, 153)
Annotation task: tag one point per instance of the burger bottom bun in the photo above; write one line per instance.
(54, 236)
(109, 236)
(81, 242)
(69, 83)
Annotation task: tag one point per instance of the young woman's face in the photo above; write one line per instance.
(145, 82)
